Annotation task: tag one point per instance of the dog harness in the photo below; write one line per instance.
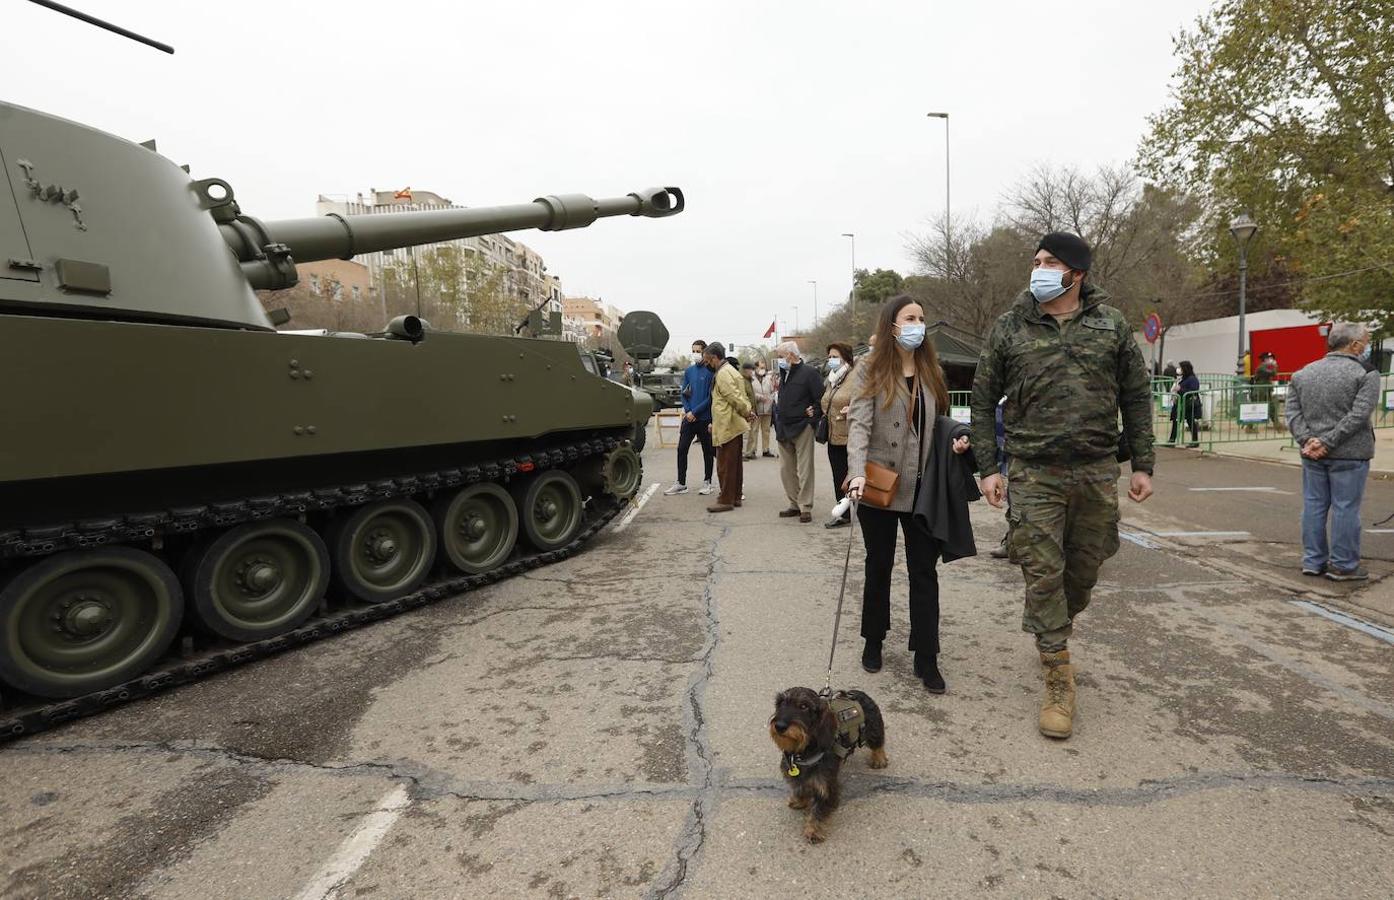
(851, 723)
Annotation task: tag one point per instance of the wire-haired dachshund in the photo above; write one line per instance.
(816, 733)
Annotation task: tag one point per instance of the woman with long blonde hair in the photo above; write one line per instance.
(898, 393)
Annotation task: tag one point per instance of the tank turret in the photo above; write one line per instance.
(95, 225)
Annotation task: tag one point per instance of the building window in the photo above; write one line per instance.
(314, 283)
(357, 293)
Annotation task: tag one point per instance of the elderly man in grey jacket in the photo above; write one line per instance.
(1329, 405)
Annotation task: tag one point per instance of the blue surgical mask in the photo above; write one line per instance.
(834, 363)
(911, 336)
(1365, 354)
(783, 364)
(1047, 284)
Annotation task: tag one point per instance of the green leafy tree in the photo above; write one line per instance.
(459, 290)
(1283, 108)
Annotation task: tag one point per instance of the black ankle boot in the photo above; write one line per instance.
(871, 656)
(927, 668)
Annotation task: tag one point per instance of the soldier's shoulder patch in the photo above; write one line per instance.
(1101, 322)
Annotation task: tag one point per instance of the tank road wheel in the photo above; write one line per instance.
(383, 550)
(257, 580)
(641, 436)
(623, 473)
(478, 527)
(549, 509)
(86, 620)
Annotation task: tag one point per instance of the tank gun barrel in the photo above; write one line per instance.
(269, 250)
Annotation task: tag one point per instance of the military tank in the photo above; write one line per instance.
(184, 488)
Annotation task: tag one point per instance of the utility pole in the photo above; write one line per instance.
(948, 209)
(815, 303)
(853, 238)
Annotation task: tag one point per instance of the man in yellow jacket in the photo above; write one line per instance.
(731, 412)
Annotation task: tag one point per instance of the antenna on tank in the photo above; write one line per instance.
(93, 20)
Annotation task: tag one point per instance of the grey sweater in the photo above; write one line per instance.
(1332, 399)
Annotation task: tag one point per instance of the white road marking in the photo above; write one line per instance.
(1379, 530)
(628, 517)
(1259, 489)
(1373, 630)
(1139, 539)
(357, 847)
(1202, 534)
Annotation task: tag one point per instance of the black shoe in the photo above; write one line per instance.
(768, 453)
(1356, 574)
(927, 668)
(871, 656)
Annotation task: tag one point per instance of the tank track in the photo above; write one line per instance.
(151, 527)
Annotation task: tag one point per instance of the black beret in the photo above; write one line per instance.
(1070, 249)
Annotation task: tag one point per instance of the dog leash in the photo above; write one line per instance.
(841, 593)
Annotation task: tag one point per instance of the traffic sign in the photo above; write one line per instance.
(1152, 327)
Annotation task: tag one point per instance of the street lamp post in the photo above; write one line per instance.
(948, 209)
(853, 237)
(796, 320)
(815, 302)
(1242, 228)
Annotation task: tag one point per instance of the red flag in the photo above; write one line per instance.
(403, 194)
(769, 332)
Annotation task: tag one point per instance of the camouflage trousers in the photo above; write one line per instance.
(1064, 524)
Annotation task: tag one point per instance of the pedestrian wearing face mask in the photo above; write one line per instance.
(696, 421)
(837, 402)
(763, 384)
(897, 428)
(731, 415)
(1068, 365)
(798, 411)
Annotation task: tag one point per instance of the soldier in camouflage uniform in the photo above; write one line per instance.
(1068, 365)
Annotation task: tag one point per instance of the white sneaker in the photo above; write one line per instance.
(706, 488)
(677, 488)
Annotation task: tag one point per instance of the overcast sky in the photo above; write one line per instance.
(786, 123)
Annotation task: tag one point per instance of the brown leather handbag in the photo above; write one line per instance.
(879, 489)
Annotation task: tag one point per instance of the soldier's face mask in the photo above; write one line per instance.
(1047, 284)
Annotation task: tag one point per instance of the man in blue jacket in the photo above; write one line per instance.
(696, 420)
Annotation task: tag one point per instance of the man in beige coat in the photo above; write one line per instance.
(731, 415)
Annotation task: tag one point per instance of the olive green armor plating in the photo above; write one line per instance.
(147, 384)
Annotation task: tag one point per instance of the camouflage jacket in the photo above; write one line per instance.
(1065, 386)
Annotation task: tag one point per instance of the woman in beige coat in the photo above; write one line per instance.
(837, 398)
(897, 393)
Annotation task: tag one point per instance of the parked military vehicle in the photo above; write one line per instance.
(178, 474)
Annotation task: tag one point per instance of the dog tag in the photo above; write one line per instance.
(793, 771)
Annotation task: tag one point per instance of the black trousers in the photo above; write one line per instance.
(921, 553)
(837, 458)
(1192, 420)
(701, 431)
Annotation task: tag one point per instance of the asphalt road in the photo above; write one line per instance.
(1245, 517)
(597, 729)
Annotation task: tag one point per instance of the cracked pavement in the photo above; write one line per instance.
(596, 728)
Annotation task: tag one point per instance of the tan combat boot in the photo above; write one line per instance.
(1058, 708)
